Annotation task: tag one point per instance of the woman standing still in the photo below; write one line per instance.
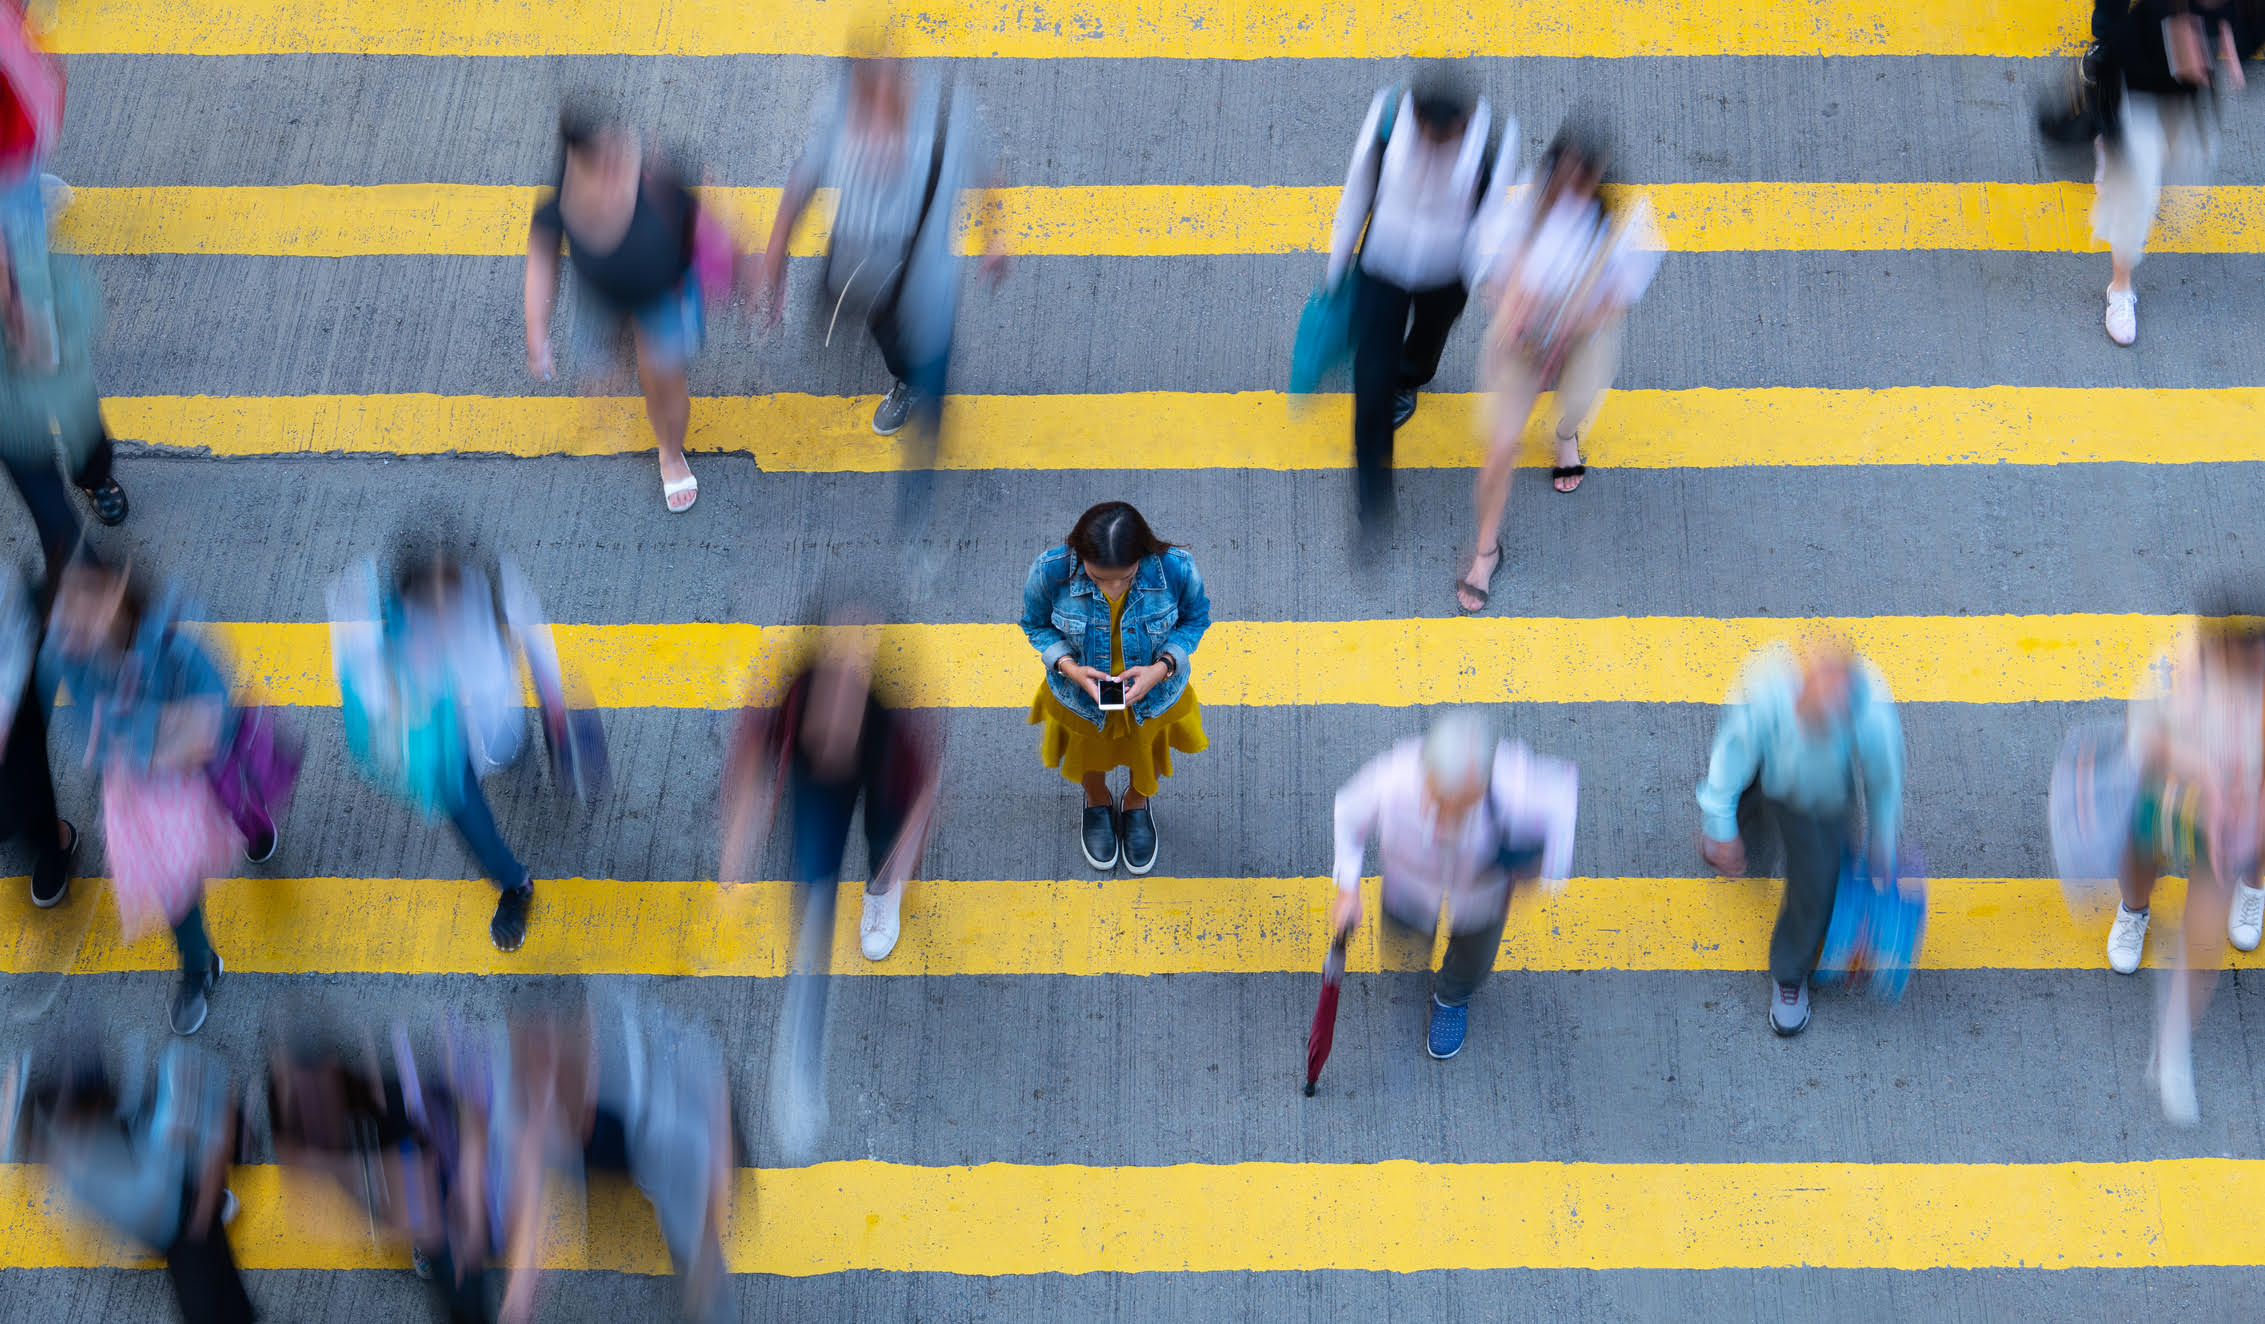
(1114, 591)
(630, 230)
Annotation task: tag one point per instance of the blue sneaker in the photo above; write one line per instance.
(1448, 1026)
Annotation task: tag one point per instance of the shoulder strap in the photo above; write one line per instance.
(935, 160)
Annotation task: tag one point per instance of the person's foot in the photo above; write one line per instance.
(193, 999)
(230, 1206)
(2123, 316)
(56, 195)
(679, 489)
(1476, 587)
(2127, 940)
(894, 409)
(1565, 475)
(1140, 839)
(1448, 1026)
(1789, 1008)
(419, 1265)
(1097, 837)
(109, 502)
(1403, 408)
(259, 847)
(509, 927)
(51, 872)
(877, 930)
(2245, 923)
(2173, 1070)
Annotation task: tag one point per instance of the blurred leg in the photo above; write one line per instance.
(194, 944)
(1432, 315)
(1469, 960)
(1812, 877)
(475, 823)
(1380, 330)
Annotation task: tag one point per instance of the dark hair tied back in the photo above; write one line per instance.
(1113, 535)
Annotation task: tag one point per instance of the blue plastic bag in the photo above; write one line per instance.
(1325, 337)
(1877, 926)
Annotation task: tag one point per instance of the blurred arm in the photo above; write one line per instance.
(1360, 807)
(1879, 752)
(1360, 191)
(1737, 757)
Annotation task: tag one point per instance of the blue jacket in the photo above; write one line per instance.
(123, 696)
(1065, 615)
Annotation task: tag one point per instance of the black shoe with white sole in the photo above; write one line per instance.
(51, 872)
(1097, 837)
(1140, 839)
(194, 997)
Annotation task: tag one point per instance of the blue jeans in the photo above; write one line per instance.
(475, 822)
(924, 433)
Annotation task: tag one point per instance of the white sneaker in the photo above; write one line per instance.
(2123, 316)
(877, 931)
(2245, 923)
(2127, 940)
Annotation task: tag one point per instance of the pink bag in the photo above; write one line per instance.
(165, 834)
(715, 259)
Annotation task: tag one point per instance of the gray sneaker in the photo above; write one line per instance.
(1789, 1008)
(192, 999)
(894, 409)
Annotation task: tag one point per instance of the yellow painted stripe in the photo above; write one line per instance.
(1135, 220)
(1153, 926)
(1104, 29)
(1705, 428)
(1000, 1218)
(1391, 663)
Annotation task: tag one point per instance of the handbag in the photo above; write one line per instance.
(1325, 336)
(253, 778)
(1877, 926)
(165, 833)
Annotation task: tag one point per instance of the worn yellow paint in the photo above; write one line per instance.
(1705, 428)
(1105, 29)
(1151, 926)
(1002, 1218)
(1149, 220)
(1390, 663)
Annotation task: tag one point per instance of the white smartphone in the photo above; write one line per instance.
(1112, 695)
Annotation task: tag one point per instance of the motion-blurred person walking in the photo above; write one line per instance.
(898, 148)
(159, 719)
(1460, 817)
(1421, 167)
(27, 785)
(156, 1171)
(1800, 730)
(2198, 737)
(31, 115)
(428, 671)
(1113, 592)
(832, 738)
(631, 231)
(1561, 265)
(44, 402)
(2163, 65)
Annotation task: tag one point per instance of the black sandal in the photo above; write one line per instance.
(1464, 585)
(1557, 472)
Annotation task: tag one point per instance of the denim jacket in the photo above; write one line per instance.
(1065, 615)
(122, 696)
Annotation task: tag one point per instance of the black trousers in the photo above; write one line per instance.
(53, 513)
(1398, 337)
(206, 1285)
(27, 786)
(1813, 847)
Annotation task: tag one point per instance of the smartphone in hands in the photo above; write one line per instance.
(1112, 695)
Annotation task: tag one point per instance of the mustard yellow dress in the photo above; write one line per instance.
(1070, 743)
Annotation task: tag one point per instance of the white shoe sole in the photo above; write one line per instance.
(1139, 870)
(877, 940)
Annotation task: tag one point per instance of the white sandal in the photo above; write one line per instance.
(672, 488)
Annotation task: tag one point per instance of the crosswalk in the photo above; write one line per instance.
(1071, 1096)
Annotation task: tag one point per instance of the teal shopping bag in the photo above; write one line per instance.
(1325, 337)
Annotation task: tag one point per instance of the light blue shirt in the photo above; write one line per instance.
(1762, 738)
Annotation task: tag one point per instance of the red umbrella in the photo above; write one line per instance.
(1323, 1036)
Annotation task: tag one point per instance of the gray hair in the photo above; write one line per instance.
(1458, 751)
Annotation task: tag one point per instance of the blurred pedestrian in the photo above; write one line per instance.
(631, 230)
(27, 786)
(428, 667)
(2171, 61)
(31, 115)
(158, 717)
(1460, 817)
(44, 402)
(1114, 591)
(156, 1172)
(1799, 732)
(2197, 733)
(898, 149)
(389, 1135)
(624, 1091)
(1421, 167)
(1561, 264)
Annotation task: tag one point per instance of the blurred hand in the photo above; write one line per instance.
(539, 363)
(2187, 51)
(995, 260)
(1084, 677)
(1345, 916)
(1140, 680)
(2230, 57)
(1727, 857)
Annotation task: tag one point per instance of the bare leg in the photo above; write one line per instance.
(668, 406)
(1514, 405)
(1096, 789)
(2137, 880)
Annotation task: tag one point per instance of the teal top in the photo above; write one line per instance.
(1814, 771)
(39, 405)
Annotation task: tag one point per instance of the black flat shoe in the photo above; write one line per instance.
(51, 873)
(109, 501)
(1140, 840)
(1097, 836)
